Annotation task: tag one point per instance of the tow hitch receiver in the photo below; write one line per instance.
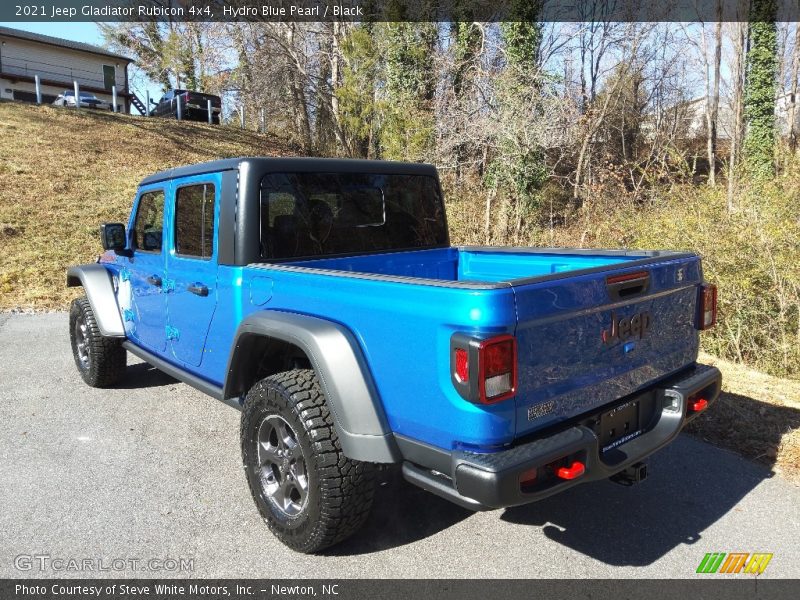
(634, 474)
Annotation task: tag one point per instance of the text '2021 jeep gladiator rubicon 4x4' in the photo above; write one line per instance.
(323, 299)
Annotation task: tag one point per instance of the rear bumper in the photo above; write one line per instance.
(203, 108)
(483, 481)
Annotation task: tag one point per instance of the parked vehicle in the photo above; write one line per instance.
(193, 106)
(323, 299)
(87, 100)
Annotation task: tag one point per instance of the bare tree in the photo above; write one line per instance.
(793, 85)
(737, 90)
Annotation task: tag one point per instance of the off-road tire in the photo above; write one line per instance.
(100, 360)
(339, 490)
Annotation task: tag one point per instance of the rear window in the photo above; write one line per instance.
(317, 214)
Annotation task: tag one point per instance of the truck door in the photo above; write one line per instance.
(144, 308)
(192, 265)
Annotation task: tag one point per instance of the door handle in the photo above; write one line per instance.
(198, 289)
(154, 280)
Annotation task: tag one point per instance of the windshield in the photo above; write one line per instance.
(316, 214)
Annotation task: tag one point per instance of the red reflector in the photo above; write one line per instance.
(462, 364)
(573, 472)
(698, 405)
(528, 477)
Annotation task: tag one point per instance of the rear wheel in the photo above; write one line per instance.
(101, 361)
(310, 495)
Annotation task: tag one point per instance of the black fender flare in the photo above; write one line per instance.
(343, 374)
(96, 282)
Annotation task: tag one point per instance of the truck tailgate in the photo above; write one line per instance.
(586, 341)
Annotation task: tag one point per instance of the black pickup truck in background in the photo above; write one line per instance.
(193, 106)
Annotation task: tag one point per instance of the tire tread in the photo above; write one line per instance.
(108, 359)
(346, 486)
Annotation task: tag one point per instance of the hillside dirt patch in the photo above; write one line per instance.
(65, 171)
(757, 416)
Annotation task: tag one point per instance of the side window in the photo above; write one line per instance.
(194, 221)
(149, 225)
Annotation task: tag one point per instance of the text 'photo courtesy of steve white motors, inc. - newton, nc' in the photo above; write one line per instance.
(191, 590)
(255, 11)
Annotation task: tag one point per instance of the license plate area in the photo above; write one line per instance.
(620, 424)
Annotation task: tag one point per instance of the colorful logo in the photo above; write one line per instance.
(734, 562)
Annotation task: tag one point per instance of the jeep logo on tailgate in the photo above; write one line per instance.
(622, 329)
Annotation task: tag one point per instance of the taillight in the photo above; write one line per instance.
(707, 306)
(484, 370)
(497, 374)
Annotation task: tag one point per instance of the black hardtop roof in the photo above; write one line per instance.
(294, 164)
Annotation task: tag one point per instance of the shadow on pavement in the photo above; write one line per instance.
(142, 375)
(691, 486)
(401, 514)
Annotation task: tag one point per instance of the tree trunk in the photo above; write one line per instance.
(793, 125)
(713, 109)
(487, 220)
(760, 91)
(336, 83)
(301, 117)
(738, 92)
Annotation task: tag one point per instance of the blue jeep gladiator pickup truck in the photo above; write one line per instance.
(323, 299)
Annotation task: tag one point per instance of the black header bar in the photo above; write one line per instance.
(66, 11)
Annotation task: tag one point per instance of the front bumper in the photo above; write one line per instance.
(483, 481)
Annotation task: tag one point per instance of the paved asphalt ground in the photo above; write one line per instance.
(152, 469)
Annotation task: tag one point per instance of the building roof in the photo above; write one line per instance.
(54, 41)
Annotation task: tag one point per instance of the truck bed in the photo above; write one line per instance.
(403, 307)
(482, 267)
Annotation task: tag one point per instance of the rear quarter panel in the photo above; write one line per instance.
(404, 330)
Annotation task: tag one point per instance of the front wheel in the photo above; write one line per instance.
(101, 361)
(309, 493)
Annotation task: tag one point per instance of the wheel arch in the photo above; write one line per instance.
(344, 376)
(99, 287)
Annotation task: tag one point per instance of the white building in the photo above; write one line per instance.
(59, 63)
(691, 117)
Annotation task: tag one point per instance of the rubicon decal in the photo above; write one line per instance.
(734, 562)
(623, 328)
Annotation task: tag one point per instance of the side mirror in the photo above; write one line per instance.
(153, 101)
(113, 237)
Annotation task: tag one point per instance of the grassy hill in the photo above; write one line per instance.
(63, 172)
